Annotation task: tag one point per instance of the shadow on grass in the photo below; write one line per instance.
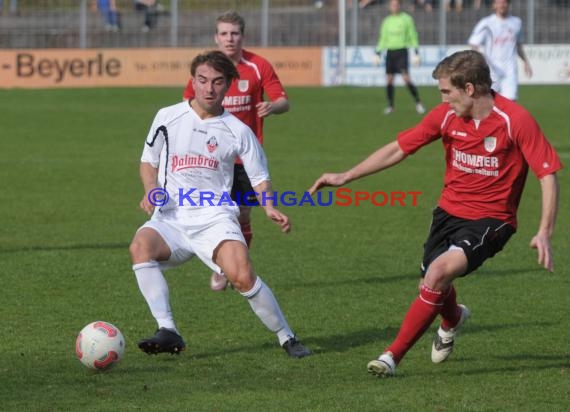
(348, 341)
(86, 246)
(474, 328)
(507, 272)
(161, 367)
(349, 279)
(383, 336)
(564, 357)
(550, 362)
(318, 345)
(343, 342)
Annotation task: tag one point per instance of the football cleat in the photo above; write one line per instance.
(420, 108)
(295, 349)
(444, 339)
(163, 341)
(218, 282)
(389, 110)
(383, 367)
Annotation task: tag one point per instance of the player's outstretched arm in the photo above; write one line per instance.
(264, 192)
(541, 241)
(329, 179)
(381, 159)
(522, 55)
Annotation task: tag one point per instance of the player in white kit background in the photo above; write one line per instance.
(190, 152)
(499, 37)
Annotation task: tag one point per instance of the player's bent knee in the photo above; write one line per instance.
(148, 245)
(141, 250)
(138, 251)
(243, 282)
(437, 278)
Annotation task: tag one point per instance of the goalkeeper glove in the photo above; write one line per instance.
(416, 60)
(378, 58)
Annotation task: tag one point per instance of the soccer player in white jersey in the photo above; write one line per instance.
(499, 38)
(245, 100)
(187, 171)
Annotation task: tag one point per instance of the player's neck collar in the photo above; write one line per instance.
(201, 113)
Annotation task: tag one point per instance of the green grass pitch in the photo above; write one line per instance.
(344, 277)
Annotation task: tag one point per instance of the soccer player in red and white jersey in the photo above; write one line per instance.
(245, 100)
(188, 161)
(499, 38)
(490, 142)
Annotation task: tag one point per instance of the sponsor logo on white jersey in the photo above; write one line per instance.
(193, 162)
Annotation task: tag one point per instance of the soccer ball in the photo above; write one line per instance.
(100, 345)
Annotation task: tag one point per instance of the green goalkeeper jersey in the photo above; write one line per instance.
(397, 31)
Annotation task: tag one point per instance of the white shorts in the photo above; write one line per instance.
(185, 241)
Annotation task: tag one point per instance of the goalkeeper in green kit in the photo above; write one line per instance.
(397, 34)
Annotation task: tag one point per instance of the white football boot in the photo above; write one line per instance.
(444, 339)
(218, 282)
(383, 367)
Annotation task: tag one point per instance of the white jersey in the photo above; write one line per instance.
(498, 38)
(195, 160)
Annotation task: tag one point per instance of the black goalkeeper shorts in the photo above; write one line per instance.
(397, 61)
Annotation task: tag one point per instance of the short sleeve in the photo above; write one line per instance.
(154, 142)
(270, 82)
(253, 157)
(425, 132)
(536, 149)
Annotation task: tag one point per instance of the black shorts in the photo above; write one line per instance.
(397, 61)
(242, 191)
(480, 239)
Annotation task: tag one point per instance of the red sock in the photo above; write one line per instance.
(247, 233)
(419, 317)
(450, 311)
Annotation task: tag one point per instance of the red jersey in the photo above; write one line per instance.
(256, 78)
(486, 161)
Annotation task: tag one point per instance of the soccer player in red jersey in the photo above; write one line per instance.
(490, 143)
(245, 100)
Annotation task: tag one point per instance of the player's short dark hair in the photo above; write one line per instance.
(232, 17)
(467, 66)
(218, 61)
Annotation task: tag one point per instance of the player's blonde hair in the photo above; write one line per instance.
(468, 66)
(232, 17)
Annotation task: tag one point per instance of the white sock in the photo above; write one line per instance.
(446, 335)
(154, 288)
(267, 309)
